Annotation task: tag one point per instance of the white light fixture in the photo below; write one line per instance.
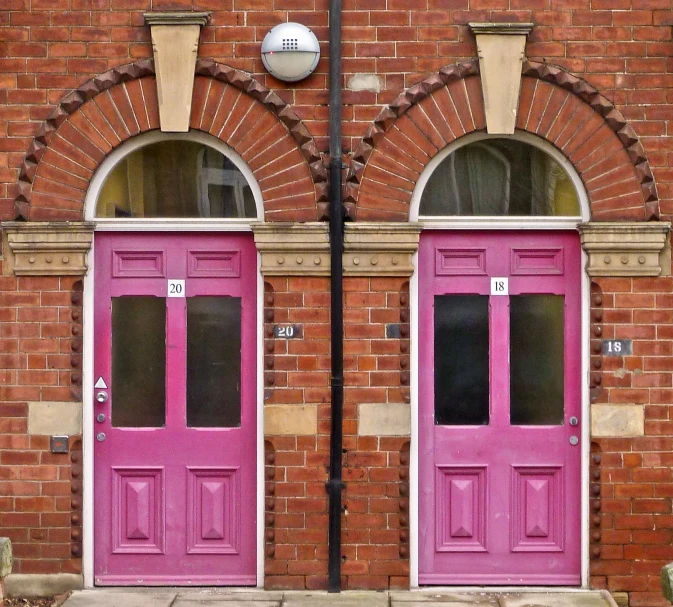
(290, 52)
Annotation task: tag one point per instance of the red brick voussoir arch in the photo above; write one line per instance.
(229, 104)
(554, 105)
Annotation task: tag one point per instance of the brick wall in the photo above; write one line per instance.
(40, 498)
(636, 484)
(622, 47)
(375, 502)
(297, 373)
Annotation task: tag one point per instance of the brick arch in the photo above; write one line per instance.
(554, 105)
(111, 108)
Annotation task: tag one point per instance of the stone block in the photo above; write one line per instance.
(55, 418)
(384, 419)
(617, 420)
(294, 420)
(667, 581)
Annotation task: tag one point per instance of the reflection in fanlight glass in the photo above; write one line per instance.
(499, 177)
(176, 178)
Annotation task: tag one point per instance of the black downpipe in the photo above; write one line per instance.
(335, 484)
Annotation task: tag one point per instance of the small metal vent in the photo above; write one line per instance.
(290, 44)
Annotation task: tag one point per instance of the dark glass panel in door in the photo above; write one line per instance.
(214, 362)
(536, 359)
(461, 360)
(138, 361)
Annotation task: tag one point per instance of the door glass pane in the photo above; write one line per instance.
(138, 361)
(536, 359)
(214, 362)
(461, 360)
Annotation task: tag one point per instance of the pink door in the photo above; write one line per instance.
(175, 409)
(499, 389)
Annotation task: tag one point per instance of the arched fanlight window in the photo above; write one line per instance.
(176, 178)
(499, 177)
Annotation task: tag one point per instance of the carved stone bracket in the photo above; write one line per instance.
(48, 249)
(370, 249)
(290, 249)
(500, 47)
(380, 249)
(625, 248)
(175, 42)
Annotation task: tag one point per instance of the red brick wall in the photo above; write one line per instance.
(375, 520)
(297, 372)
(40, 497)
(622, 47)
(636, 483)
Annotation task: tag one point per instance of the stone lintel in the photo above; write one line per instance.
(500, 47)
(175, 43)
(625, 248)
(617, 420)
(370, 249)
(290, 420)
(48, 249)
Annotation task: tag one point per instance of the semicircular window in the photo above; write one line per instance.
(176, 178)
(499, 177)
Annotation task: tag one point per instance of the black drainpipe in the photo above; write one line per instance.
(335, 485)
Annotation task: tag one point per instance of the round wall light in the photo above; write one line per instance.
(290, 52)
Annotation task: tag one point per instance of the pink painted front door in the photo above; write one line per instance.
(175, 409)
(500, 408)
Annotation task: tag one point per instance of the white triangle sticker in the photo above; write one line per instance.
(100, 384)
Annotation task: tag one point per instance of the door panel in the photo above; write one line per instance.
(175, 428)
(499, 380)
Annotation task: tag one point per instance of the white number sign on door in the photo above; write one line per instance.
(499, 286)
(176, 288)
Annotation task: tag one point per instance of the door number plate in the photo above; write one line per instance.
(176, 288)
(499, 285)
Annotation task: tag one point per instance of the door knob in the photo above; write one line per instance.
(101, 397)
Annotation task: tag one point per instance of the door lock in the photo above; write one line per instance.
(101, 397)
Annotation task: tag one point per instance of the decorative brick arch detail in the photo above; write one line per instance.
(553, 104)
(109, 109)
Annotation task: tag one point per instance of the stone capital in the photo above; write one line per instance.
(290, 249)
(380, 249)
(370, 249)
(625, 248)
(48, 249)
